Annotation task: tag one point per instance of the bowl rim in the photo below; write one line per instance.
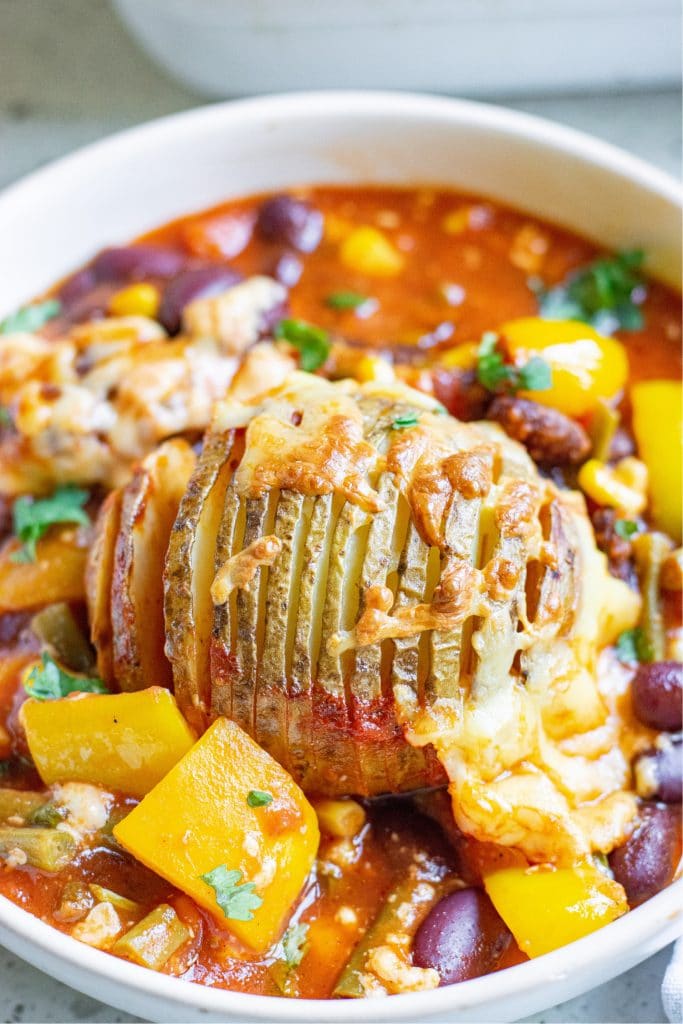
(649, 926)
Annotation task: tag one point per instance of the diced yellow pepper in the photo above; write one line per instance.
(198, 819)
(58, 573)
(658, 426)
(546, 907)
(461, 357)
(121, 741)
(586, 366)
(457, 221)
(367, 251)
(623, 486)
(374, 368)
(135, 300)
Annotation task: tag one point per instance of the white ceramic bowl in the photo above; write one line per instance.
(476, 47)
(111, 191)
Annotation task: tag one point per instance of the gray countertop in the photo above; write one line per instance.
(69, 74)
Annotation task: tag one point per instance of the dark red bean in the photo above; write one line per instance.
(657, 694)
(76, 286)
(193, 283)
(287, 269)
(462, 937)
(648, 860)
(659, 773)
(137, 262)
(460, 392)
(291, 222)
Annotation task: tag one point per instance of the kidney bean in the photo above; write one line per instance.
(657, 695)
(549, 436)
(459, 391)
(190, 284)
(291, 222)
(659, 772)
(648, 860)
(76, 286)
(136, 262)
(462, 937)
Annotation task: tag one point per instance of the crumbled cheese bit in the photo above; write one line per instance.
(15, 857)
(397, 975)
(87, 807)
(346, 916)
(100, 927)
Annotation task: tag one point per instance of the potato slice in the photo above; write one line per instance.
(148, 510)
(188, 609)
(98, 577)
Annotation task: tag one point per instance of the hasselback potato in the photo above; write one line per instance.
(363, 582)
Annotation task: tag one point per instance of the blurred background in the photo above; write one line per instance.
(72, 71)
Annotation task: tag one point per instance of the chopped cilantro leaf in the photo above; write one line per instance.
(496, 375)
(625, 528)
(237, 901)
(258, 798)
(345, 300)
(49, 681)
(32, 517)
(30, 318)
(632, 646)
(408, 419)
(294, 944)
(535, 375)
(606, 293)
(312, 342)
(47, 815)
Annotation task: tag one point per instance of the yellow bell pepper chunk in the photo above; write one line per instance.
(461, 357)
(199, 818)
(121, 741)
(586, 366)
(623, 486)
(374, 369)
(658, 426)
(135, 300)
(367, 251)
(546, 907)
(58, 573)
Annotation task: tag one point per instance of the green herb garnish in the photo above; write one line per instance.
(495, 374)
(345, 300)
(294, 944)
(237, 901)
(258, 798)
(632, 646)
(408, 419)
(313, 343)
(30, 318)
(625, 528)
(5, 417)
(32, 517)
(606, 293)
(50, 681)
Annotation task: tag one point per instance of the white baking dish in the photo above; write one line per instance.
(469, 47)
(111, 191)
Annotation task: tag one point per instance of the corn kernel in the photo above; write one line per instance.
(136, 300)
(623, 487)
(461, 357)
(368, 251)
(457, 221)
(374, 368)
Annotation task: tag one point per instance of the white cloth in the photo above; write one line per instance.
(672, 986)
